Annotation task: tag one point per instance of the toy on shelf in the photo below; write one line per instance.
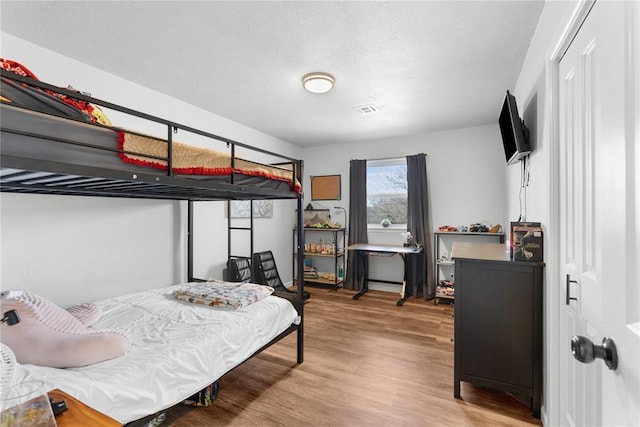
(473, 228)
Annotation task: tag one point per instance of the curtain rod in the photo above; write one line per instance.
(391, 158)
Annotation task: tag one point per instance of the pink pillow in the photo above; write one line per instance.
(48, 335)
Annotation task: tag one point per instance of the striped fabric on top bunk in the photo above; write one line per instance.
(191, 160)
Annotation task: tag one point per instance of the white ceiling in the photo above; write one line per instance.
(426, 65)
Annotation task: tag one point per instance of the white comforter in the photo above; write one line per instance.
(177, 348)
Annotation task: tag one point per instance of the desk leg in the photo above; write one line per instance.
(359, 294)
(401, 300)
(403, 292)
(365, 281)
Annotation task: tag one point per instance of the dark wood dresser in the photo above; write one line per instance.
(498, 322)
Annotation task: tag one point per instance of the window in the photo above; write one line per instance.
(387, 191)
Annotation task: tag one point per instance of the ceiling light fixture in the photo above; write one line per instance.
(318, 82)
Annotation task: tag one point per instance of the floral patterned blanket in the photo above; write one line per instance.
(221, 294)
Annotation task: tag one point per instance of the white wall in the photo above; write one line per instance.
(532, 91)
(72, 250)
(531, 94)
(466, 172)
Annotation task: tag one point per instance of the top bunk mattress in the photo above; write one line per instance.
(177, 349)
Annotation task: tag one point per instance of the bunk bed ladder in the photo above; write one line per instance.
(231, 229)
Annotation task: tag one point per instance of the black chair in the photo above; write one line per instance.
(266, 273)
(239, 270)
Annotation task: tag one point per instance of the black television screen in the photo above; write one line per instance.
(515, 138)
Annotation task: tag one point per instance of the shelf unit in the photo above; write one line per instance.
(336, 260)
(443, 264)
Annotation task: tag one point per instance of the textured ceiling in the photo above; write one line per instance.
(426, 65)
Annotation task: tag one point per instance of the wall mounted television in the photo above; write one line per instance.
(515, 135)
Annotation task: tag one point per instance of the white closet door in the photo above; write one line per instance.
(599, 215)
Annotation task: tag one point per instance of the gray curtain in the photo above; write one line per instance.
(357, 223)
(420, 279)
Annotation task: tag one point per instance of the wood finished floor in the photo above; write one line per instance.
(366, 363)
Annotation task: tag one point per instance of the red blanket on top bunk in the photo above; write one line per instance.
(44, 100)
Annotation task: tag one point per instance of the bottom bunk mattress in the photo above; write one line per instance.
(176, 349)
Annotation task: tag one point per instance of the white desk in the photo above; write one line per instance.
(365, 249)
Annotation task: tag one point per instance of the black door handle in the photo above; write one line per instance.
(585, 351)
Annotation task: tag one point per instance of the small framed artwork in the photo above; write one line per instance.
(242, 209)
(325, 187)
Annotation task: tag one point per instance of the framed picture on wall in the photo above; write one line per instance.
(325, 187)
(242, 209)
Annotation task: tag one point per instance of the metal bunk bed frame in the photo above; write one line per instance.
(37, 176)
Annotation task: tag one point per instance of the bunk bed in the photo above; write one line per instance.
(44, 153)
